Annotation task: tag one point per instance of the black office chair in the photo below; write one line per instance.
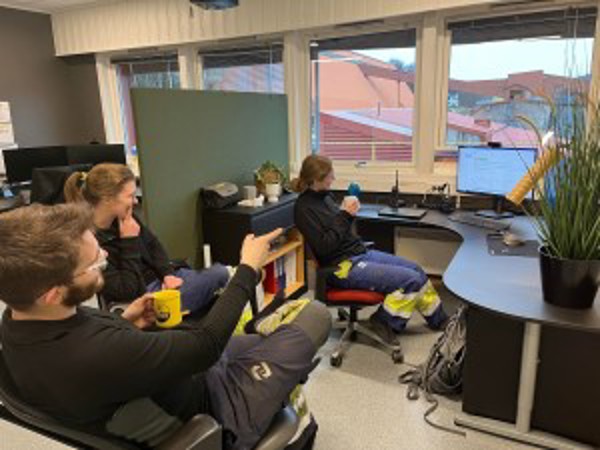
(202, 432)
(47, 183)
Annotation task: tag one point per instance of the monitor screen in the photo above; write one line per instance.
(96, 154)
(492, 171)
(19, 163)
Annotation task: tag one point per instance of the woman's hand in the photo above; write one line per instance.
(351, 205)
(172, 282)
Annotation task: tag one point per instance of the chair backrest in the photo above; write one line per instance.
(47, 183)
(32, 418)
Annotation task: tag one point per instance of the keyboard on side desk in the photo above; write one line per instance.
(470, 218)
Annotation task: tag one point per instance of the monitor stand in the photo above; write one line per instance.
(497, 213)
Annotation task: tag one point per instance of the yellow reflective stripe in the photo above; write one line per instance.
(428, 299)
(286, 313)
(244, 319)
(399, 304)
(344, 269)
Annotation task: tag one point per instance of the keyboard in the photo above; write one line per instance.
(403, 213)
(470, 218)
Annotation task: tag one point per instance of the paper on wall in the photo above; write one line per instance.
(6, 134)
(4, 112)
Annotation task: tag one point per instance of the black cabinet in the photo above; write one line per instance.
(225, 229)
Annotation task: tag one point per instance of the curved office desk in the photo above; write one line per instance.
(509, 286)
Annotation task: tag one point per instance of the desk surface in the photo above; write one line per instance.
(6, 204)
(508, 285)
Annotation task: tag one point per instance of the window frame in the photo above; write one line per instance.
(268, 45)
(453, 17)
(346, 168)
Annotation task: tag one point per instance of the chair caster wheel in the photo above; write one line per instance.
(335, 361)
(397, 356)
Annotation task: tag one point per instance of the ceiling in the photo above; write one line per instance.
(46, 6)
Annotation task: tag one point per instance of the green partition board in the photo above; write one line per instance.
(188, 139)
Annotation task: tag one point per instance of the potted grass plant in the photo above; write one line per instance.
(566, 180)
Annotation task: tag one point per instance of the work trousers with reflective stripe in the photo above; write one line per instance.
(405, 284)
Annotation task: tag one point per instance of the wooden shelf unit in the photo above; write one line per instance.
(225, 229)
(295, 244)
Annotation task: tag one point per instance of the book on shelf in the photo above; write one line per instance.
(270, 281)
(290, 268)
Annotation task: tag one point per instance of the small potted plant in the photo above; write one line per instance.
(566, 180)
(269, 179)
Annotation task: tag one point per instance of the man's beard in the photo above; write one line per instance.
(77, 294)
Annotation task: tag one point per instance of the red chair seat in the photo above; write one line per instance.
(354, 296)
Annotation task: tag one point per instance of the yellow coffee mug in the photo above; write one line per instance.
(167, 307)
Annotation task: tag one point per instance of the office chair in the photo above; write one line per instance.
(202, 432)
(47, 183)
(348, 302)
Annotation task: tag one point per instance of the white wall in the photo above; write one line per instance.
(115, 25)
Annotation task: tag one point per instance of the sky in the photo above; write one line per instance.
(493, 60)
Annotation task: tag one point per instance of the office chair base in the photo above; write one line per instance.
(350, 332)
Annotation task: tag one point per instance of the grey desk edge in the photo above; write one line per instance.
(505, 285)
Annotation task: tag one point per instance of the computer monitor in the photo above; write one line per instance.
(96, 154)
(492, 171)
(19, 163)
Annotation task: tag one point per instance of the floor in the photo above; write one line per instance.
(359, 406)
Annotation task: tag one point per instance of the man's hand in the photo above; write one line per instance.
(128, 226)
(172, 282)
(256, 249)
(140, 312)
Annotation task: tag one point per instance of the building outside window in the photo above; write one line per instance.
(258, 69)
(363, 97)
(505, 67)
(159, 72)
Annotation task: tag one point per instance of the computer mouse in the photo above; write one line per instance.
(511, 239)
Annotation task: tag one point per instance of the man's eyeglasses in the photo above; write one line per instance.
(98, 265)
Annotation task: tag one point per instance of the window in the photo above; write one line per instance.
(502, 68)
(160, 72)
(363, 97)
(244, 70)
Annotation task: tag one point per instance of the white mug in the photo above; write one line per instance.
(249, 192)
(349, 199)
(273, 191)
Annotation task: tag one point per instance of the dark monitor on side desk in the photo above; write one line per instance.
(19, 163)
(96, 153)
(492, 171)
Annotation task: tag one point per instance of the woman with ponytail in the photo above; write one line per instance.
(327, 227)
(137, 262)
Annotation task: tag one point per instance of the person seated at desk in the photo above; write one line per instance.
(327, 228)
(80, 365)
(137, 262)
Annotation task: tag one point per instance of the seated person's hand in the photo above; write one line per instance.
(140, 312)
(128, 226)
(351, 205)
(172, 282)
(256, 249)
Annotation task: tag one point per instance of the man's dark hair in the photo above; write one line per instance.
(39, 249)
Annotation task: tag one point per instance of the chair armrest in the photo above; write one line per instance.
(283, 428)
(321, 282)
(201, 432)
(179, 264)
